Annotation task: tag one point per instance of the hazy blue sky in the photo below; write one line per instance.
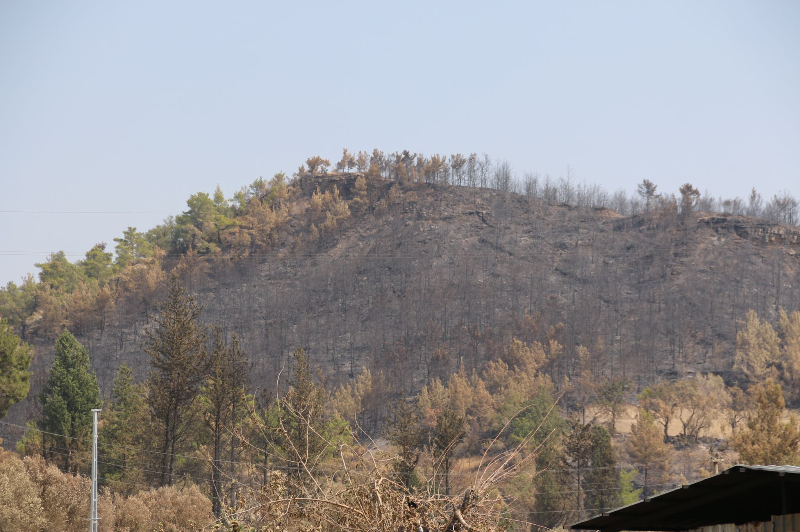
(132, 106)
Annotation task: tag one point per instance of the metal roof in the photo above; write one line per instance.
(740, 494)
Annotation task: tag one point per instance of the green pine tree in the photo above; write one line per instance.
(578, 449)
(67, 400)
(18, 302)
(547, 426)
(125, 428)
(407, 435)
(98, 264)
(179, 365)
(303, 424)
(628, 493)
(60, 274)
(15, 377)
(132, 246)
(602, 479)
(647, 449)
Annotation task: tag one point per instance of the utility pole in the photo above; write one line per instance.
(93, 519)
(716, 459)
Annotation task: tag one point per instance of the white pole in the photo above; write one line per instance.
(93, 520)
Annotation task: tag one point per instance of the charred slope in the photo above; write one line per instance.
(431, 277)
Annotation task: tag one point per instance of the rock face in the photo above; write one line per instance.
(758, 231)
(433, 278)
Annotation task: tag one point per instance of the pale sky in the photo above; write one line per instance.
(130, 107)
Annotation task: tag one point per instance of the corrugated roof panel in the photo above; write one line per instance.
(740, 494)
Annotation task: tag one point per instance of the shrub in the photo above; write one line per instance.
(167, 509)
(65, 497)
(20, 505)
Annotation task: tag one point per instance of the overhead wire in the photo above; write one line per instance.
(259, 465)
(366, 255)
(29, 211)
(252, 487)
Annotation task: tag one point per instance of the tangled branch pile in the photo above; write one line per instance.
(365, 493)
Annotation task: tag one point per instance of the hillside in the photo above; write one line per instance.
(439, 323)
(421, 278)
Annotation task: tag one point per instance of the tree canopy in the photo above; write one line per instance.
(15, 361)
(767, 439)
(179, 365)
(68, 398)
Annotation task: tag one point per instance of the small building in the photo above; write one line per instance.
(740, 499)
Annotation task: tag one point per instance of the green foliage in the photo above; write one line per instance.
(295, 427)
(164, 235)
(201, 227)
(628, 494)
(18, 302)
(336, 432)
(449, 429)
(550, 503)
(15, 361)
(603, 490)
(60, 274)
(98, 264)
(301, 413)
(540, 416)
(588, 452)
(69, 291)
(224, 389)
(611, 399)
(277, 188)
(125, 428)
(257, 190)
(31, 442)
(577, 450)
(407, 435)
(196, 225)
(662, 403)
(647, 449)
(535, 417)
(220, 202)
(67, 399)
(132, 246)
(179, 365)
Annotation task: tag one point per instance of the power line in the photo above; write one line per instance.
(252, 488)
(24, 211)
(118, 446)
(287, 468)
(367, 255)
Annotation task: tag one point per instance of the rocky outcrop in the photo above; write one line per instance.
(757, 231)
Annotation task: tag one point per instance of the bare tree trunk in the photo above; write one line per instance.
(216, 492)
(165, 455)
